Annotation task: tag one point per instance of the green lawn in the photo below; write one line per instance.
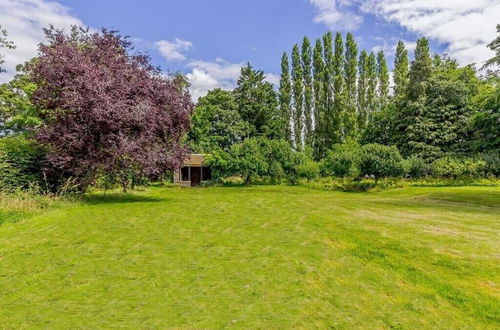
(260, 257)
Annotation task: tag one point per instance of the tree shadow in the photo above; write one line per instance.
(119, 198)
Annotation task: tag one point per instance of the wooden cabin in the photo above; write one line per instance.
(193, 172)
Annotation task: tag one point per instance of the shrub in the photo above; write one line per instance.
(307, 170)
(249, 159)
(492, 163)
(416, 167)
(342, 160)
(20, 164)
(449, 167)
(380, 161)
(221, 164)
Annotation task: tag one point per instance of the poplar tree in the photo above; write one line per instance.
(420, 71)
(400, 70)
(338, 89)
(319, 109)
(382, 80)
(286, 97)
(350, 72)
(328, 105)
(298, 87)
(362, 89)
(371, 93)
(308, 90)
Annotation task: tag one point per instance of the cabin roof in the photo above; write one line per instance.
(194, 160)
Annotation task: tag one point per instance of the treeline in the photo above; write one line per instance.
(333, 92)
(89, 111)
(335, 107)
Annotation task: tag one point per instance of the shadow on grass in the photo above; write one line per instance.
(119, 198)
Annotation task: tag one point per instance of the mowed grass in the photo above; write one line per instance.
(260, 257)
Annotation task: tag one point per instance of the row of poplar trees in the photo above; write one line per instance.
(328, 93)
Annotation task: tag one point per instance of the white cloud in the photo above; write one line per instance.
(390, 48)
(465, 26)
(172, 50)
(209, 75)
(24, 21)
(336, 14)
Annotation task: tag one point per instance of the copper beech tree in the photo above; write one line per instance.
(107, 110)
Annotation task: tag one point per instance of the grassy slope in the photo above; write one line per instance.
(257, 257)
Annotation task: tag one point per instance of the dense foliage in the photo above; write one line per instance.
(437, 108)
(21, 163)
(216, 123)
(89, 110)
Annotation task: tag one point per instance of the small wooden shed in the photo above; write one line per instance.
(193, 172)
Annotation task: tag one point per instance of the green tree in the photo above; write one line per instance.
(319, 96)
(249, 159)
(350, 72)
(371, 93)
(216, 123)
(298, 95)
(382, 80)
(437, 121)
(329, 127)
(308, 91)
(494, 46)
(401, 70)
(342, 160)
(17, 113)
(285, 96)
(257, 104)
(338, 90)
(486, 121)
(362, 90)
(380, 161)
(4, 43)
(420, 71)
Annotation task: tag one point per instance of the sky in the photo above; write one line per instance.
(209, 40)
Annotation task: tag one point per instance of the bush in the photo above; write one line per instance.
(308, 170)
(416, 167)
(21, 164)
(342, 160)
(449, 167)
(380, 161)
(492, 163)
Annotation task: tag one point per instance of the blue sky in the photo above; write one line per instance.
(209, 39)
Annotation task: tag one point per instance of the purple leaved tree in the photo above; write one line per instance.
(107, 110)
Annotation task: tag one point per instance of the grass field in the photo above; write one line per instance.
(257, 257)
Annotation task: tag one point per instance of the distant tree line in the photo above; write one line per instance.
(344, 94)
(88, 110)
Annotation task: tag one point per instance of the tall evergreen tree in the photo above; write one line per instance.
(401, 70)
(371, 93)
(382, 80)
(338, 89)
(328, 105)
(308, 90)
(319, 109)
(298, 95)
(285, 96)
(494, 46)
(350, 72)
(420, 71)
(362, 89)
(258, 103)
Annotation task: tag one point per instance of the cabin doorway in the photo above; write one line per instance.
(195, 176)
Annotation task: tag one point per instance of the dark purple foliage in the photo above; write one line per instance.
(107, 110)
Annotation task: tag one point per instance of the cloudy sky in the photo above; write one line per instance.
(209, 40)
